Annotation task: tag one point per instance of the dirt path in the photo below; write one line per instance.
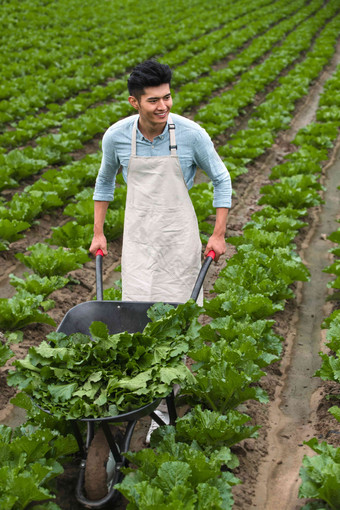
(272, 463)
(293, 410)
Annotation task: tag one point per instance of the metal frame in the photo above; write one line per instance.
(121, 461)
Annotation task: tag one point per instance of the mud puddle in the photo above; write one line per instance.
(293, 410)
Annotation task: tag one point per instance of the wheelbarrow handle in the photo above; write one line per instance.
(202, 274)
(99, 274)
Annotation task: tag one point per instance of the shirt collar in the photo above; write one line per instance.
(161, 136)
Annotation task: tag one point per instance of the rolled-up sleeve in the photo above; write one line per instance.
(210, 162)
(106, 179)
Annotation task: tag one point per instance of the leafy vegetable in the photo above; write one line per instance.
(321, 474)
(223, 383)
(22, 309)
(46, 261)
(9, 232)
(76, 376)
(71, 235)
(28, 462)
(178, 476)
(212, 430)
(35, 284)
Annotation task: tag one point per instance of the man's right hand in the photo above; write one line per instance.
(98, 243)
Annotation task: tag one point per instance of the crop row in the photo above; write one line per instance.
(204, 45)
(43, 195)
(320, 473)
(78, 234)
(253, 286)
(53, 148)
(219, 113)
(87, 72)
(68, 45)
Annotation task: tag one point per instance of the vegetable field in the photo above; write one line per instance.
(259, 403)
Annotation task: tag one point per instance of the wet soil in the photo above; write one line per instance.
(298, 409)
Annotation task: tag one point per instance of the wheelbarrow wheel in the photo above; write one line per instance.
(100, 469)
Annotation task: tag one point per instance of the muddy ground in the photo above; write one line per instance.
(298, 409)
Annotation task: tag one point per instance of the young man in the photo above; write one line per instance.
(159, 154)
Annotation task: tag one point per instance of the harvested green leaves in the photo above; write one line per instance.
(79, 376)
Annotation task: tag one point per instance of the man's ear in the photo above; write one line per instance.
(134, 102)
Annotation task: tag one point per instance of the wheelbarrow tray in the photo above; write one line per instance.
(119, 316)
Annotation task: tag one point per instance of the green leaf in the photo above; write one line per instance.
(62, 392)
(34, 284)
(208, 497)
(335, 411)
(5, 354)
(172, 474)
(321, 474)
(9, 231)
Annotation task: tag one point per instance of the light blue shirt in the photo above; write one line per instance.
(194, 149)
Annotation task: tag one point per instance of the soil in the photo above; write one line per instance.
(298, 408)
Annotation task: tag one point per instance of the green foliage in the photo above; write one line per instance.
(330, 368)
(29, 460)
(273, 220)
(35, 284)
(297, 166)
(72, 235)
(74, 376)
(178, 476)
(41, 88)
(212, 430)
(9, 231)
(321, 474)
(298, 191)
(268, 273)
(46, 261)
(335, 411)
(22, 309)
(5, 353)
(318, 135)
(257, 332)
(27, 206)
(112, 294)
(241, 303)
(224, 375)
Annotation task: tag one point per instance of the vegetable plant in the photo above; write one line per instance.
(29, 461)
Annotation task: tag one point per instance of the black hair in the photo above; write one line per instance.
(149, 73)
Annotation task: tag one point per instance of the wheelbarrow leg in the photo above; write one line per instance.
(170, 401)
(112, 443)
(89, 436)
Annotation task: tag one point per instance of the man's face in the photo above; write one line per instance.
(154, 105)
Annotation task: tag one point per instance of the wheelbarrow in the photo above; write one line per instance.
(101, 461)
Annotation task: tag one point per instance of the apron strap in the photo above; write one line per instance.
(134, 139)
(172, 146)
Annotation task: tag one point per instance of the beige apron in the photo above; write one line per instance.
(161, 255)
